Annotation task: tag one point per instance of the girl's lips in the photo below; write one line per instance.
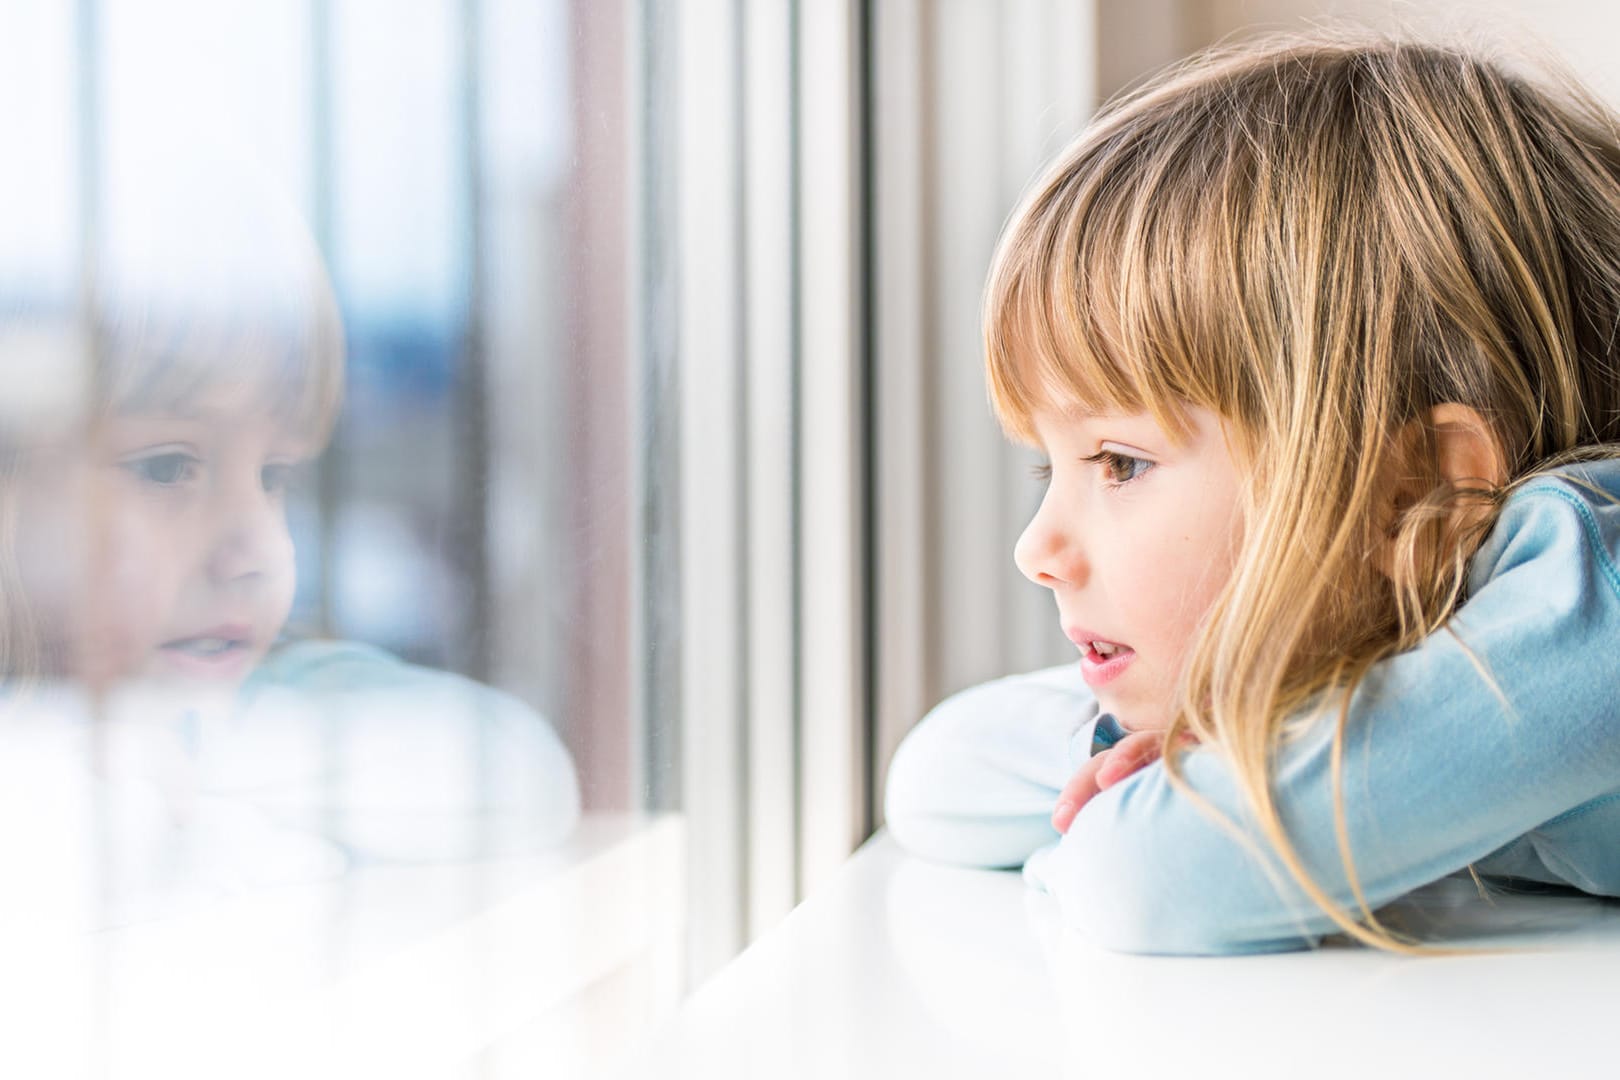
(224, 653)
(1097, 669)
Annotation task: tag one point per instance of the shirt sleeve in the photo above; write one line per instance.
(1438, 771)
(395, 760)
(975, 782)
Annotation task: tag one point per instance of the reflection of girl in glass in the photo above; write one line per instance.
(145, 556)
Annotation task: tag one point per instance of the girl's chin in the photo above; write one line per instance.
(172, 673)
(1134, 715)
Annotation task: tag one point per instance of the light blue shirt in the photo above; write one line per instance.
(1437, 774)
(395, 760)
(333, 754)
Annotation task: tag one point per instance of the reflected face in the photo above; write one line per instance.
(1135, 537)
(159, 550)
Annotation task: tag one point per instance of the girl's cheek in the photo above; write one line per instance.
(129, 592)
(115, 625)
(50, 575)
(52, 560)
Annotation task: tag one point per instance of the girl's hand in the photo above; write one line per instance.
(1108, 768)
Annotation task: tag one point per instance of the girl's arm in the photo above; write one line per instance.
(424, 764)
(975, 781)
(1436, 773)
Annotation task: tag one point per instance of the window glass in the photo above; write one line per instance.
(317, 528)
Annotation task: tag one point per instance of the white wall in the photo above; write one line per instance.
(1580, 33)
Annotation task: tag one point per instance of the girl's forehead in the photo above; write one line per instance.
(223, 410)
(223, 404)
(245, 390)
(1068, 414)
(244, 374)
(1052, 420)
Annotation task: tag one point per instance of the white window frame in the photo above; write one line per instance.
(771, 416)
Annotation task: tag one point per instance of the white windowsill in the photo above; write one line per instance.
(473, 968)
(900, 967)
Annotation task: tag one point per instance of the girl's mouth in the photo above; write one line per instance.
(209, 655)
(1102, 661)
(207, 647)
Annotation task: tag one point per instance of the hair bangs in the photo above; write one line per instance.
(209, 280)
(1114, 288)
(1047, 348)
(276, 357)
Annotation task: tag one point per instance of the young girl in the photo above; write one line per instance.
(1320, 340)
(147, 572)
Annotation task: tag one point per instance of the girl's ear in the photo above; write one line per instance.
(1461, 449)
(1466, 452)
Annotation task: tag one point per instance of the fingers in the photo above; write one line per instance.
(1077, 792)
(1128, 755)
(1097, 774)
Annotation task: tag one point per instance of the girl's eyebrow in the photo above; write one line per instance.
(194, 411)
(1123, 447)
(188, 412)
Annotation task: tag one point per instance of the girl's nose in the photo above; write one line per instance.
(1047, 552)
(250, 537)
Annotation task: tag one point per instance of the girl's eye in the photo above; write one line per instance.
(1043, 473)
(276, 478)
(1119, 469)
(165, 470)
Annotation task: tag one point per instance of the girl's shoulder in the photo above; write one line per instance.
(1596, 481)
(320, 664)
(426, 764)
(365, 681)
(1562, 525)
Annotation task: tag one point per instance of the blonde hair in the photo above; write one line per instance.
(1321, 240)
(209, 279)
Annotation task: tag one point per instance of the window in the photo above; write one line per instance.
(323, 706)
(432, 565)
